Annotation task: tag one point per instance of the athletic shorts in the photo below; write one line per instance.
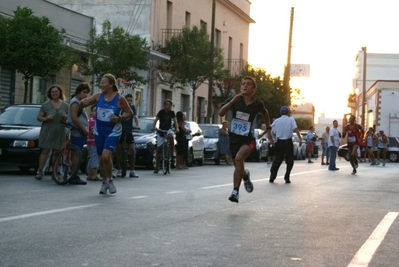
(235, 147)
(108, 143)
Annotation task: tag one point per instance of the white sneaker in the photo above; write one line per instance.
(133, 174)
(104, 188)
(119, 173)
(111, 186)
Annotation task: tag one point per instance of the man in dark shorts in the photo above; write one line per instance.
(127, 127)
(352, 130)
(245, 110)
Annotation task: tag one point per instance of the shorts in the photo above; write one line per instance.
(79, 141)
(235, 147)
(160, 139)
(105, 142)
(310, 147)
(129, 138)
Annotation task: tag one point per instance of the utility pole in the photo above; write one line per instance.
(209, 112)
(286, 82)
(364, 49)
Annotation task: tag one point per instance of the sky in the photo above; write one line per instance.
(327, 35)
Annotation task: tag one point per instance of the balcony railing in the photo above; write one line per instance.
(167, 34)
(236, 66)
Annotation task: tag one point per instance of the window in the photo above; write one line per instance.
(39, 89)
(185, 104)
(203, 25)
(218, 38)
(188, 19)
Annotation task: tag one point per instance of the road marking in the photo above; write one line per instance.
(137, 197)
(174, 192)
(366, 252)
(262, 180)
(24, 216)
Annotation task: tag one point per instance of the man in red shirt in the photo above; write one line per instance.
(353, 130)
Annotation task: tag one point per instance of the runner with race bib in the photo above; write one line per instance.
(248, 113)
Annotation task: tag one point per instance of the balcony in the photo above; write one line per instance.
(236, 66)
(167, 34)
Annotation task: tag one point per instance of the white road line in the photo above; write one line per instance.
(24, 216)
(174, 192)
(366, 252)
(262, 180)
(137, 197)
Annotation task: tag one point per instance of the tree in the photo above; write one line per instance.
(32, 46)
(189, 58)
(303, 123)
(116, 51)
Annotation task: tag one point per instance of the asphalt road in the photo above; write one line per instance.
(323, 218)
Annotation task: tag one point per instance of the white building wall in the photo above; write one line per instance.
(389, 109)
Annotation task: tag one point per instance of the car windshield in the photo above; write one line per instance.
(210, 131)
(145, 125)
(21, 116)
(295, 137)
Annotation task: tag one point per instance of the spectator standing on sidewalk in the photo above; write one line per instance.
(284, 147)
(245, 109)
(224, 143)
(382, 147)
(311, 138)
(325, 147)
(91, 148)
(52, 133)
(370, 140)
(127, 128)
(333, 143)
(77, 116)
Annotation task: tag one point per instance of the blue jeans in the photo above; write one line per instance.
(333, 157)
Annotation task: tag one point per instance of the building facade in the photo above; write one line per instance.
(158, 21)
(74, 29)
(381, 89)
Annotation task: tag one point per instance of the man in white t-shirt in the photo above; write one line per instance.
(333, 144)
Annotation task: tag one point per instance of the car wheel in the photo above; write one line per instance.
(152, 162)
(393, 157)
(24, 169)
(190, 158)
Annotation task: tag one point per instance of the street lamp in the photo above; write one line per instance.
(364, 49)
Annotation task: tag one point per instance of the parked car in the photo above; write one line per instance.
(19, 138)
(392, 151)
(145, 142)
(195, 145)
(299, 150)
(211, 142)
(261, 151)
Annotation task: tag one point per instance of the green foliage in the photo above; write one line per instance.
(116, 51)
(32, 46)
(303, 123)
(269, 90)
(190, 60)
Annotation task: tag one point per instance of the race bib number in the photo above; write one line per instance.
(352, 139)
(240, 127)
(104, 114)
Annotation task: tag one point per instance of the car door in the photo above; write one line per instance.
(197, 140)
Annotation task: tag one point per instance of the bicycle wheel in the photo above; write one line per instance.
(124, 159)
(165, 158)
(63, 170)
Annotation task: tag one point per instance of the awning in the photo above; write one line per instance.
(155, 55)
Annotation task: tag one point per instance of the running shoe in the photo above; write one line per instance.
(372, 164)
(234, 196)
(119, 173)
(133, 174)
(156, 171)
(111, 186)
(378, 162)
(354, 172)
(247, 182)
(39, 174)
(104, 188)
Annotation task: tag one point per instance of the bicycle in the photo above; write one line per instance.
(125, 150)
(165, 156)
(63, 167)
